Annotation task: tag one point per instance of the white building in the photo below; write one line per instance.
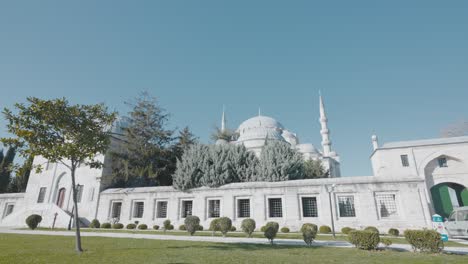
(412, 180)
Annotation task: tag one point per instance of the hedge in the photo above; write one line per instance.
(182, 228)
(33, 221)
(117, 226)
(394, 232)
(95, 224)
(167, 225)
(372, 229)
(284, 230)
(131, 226)
(367, 240)
(143, 227)
(425, 240)
(225, 225)
(325, 229)
(346, 230)
(156, 227)
(248, 226)
(192, 223)
(106, 225)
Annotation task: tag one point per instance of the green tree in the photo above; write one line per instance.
(146, 156)
(313, 169)
(279, 162)
(6, 167)
(20, 181)
(225, 134)
(61, 133)
(185, 139)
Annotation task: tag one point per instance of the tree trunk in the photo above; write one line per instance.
(75, 203)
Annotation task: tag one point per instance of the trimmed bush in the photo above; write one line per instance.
(225, 224)
(308, 225)
(248, 226)
(33, 221)
(214, 226)
(192, 224)
(171, 227)
(386, 242)
(309, 232)
(424, 240)
(167, 225)
(200, 228)
(346, 230)
(263, 229)
(372, 229)
(106, 225)
(95, 224)
(271, 229)
(156, 227)
(325, 229)
(143, 227)
(131, 226)
(233, 229)
(118, 226)
(367, 240)
(284, 230)
(182, 228)
(394, 232)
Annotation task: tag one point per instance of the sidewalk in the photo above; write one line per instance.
(291, 242)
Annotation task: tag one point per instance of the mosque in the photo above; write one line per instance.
(411, 181)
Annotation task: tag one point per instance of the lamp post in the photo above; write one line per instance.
(330, 189)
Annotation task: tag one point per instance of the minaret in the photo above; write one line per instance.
(326, 143)
(223, 121)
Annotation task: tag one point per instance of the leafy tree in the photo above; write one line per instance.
(243, 163)
(313, 169)
(146, 157)
(279, 162)
(61, 133)
(6, 167)
(20, 181)
(185, 139)
(191, 168)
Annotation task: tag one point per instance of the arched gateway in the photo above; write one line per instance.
(447, 196)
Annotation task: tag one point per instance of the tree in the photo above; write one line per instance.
(243, 163)
(279, 162)
(313, 169)
(225, 134)
(6, 167)
(456, 130)
(146, 156)
(61, 133)
(185, 139)
(20, 181)
(191, 168)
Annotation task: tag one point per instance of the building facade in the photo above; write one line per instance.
(412, 180)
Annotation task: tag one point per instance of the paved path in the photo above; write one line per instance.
(293, 242)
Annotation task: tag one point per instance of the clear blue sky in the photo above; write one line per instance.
(395, 68)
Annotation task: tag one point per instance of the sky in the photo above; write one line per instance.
(397, 69)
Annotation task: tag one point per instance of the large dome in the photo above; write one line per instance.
(254, 131)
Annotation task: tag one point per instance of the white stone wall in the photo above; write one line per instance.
(412, 209)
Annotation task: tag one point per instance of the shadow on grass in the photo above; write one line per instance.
(243, 247)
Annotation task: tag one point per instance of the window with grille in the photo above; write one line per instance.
(213, 208)
(346, 206)
(161, 211)
(386, 204)
(243, 208)
(187, 208)
(309, 207)
(41, 196)
(275, 207)
(116, 208)
(442, 162)
(79, 193)
(404, 160)
(138, 209)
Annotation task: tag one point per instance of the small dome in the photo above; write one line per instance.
(254, 131)
(290, 137)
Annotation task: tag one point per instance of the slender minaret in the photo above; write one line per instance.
(223, 121)
(326, 143)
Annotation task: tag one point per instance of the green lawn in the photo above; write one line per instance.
(56, 249)
(339, 237)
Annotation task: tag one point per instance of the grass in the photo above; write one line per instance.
(298, 236)
(57, 249)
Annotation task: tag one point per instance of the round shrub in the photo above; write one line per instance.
(263, 229)
(170, 227)
(95, 224)
(192, 223)
(143, 227)
(271, 229)
(200, 228)
(182, 228)
(167, 225)
(214, 226)
(394, 232)
(372, 229)
(309, 232)
(106, 225)
(367, 240)
(33, 221)
(284, 230)
(225, 224)
(118, 226)
(308, 225)
(156, 227)
(424, 240)
(131, 226)
(325, 229)
(248, 226)
(233, 229)
(346, 230)
(386, 242)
